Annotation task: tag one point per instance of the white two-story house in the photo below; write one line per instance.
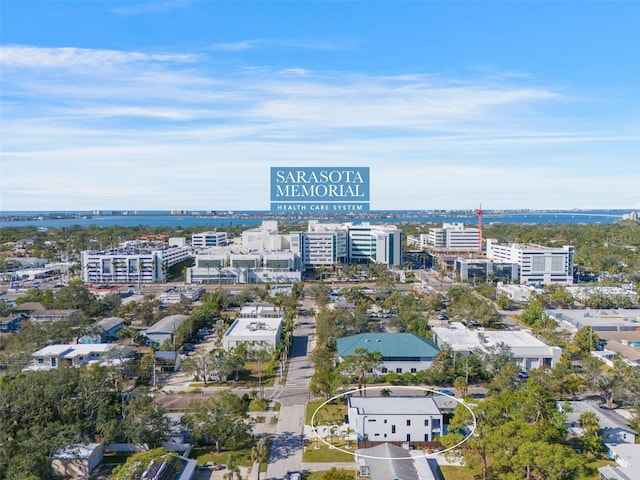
(395, 419)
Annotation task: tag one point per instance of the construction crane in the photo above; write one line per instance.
(478, 211)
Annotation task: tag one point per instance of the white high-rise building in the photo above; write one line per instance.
(130, 264)
(537, 265)
(326, 244)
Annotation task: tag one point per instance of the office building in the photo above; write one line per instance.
(453, 236)
(209, 239)
(537, 265)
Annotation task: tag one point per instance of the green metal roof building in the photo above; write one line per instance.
(401, 352)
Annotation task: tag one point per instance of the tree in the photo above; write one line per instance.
(222, 419)
(460, 383)
(260, 453)
(586, 340)
(361, 363)
(144, 420)
(591, 439)
(335, 474)
(198, 364)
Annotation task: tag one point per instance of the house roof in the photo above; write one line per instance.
(72, 350)
(608, 419)
(108, 323)
(72, 452)
(167, 324)
(630, 452)
(390, 462)
(32, 306)
(394, 405)
(388, 344)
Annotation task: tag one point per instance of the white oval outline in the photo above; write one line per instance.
(380, 387)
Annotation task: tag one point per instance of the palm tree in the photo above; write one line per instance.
(348, 433)
(233, 469)
(260, 454)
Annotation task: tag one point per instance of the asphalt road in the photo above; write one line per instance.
(287, 445)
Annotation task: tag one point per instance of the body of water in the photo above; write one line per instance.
(166, 219)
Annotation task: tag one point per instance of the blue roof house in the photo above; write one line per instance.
(401, 352)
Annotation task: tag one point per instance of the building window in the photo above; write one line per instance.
(385, 420)
(426, 437)
(398, 370)
(426, 422)
(408, 423)
(384, 370)
(414, 370)
(408, 437)
(393, 429)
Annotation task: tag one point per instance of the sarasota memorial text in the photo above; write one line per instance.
(320, 189)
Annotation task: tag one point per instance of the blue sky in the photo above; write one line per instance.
(187, 104)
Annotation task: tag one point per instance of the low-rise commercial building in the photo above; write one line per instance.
(401, 352)
(527, 350)
(258, 331)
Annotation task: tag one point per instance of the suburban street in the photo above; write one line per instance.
(287, 444)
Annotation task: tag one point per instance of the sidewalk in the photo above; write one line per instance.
(323, 466)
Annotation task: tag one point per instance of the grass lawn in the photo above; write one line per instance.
(208, 454)
(459, 473)
(318, 475)
(330, 413)
(326, 454)
(259, 405)
(593, 466)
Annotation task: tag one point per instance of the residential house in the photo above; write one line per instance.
(165, 328)
(410, 420)
(389, 462)
(53, 315)
(76, 355)
(104, 331)
(627, 458)
(613, 427)
(9, 324)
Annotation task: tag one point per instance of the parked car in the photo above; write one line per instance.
(523, 375)
(447, 392)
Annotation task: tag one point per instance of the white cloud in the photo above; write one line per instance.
(153, 7)
(27, 56)
(132, 130)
